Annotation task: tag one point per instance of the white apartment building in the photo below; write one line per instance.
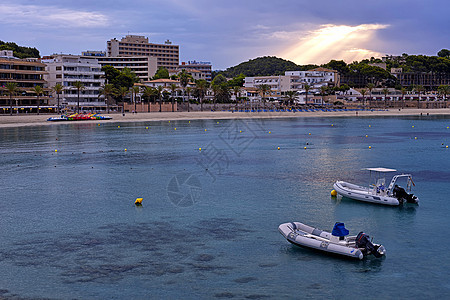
(295, 80)
(203, 66)
(168, 55)
(66, 69)
(165, 83)
(144, 67)
(196, 75)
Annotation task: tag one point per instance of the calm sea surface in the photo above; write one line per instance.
(208, 227)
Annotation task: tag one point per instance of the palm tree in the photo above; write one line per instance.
(107, 91)
(79, 86)
(216, 91)
(418, 88)
(184, 80)
(363, 93)
(148, 93)
(236, 92)
(188, 93)
(58, 88)
(290, 96)
(12, 90)
(444, 90)
(323, 90)
(201, 86)
(173, 92)
(122, 92)
(38, 90)
(385, 92)
(160, 90)
(370, 87)
(263, 89)
(307, 87)
(403, 91)
(135, 89)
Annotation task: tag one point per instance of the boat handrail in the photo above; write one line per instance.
(316, 237)
(394, 180)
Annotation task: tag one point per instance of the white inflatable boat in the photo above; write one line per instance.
(378, 192)
(336, 242)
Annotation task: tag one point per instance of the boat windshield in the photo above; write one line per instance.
(377, 176)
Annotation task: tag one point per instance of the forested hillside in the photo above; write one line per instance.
(19, 51)
(263, 66)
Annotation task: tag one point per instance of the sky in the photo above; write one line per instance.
(227, 33)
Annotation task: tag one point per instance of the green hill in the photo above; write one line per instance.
(264, 66)
(19, 51)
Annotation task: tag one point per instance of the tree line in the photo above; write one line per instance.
(20, 51)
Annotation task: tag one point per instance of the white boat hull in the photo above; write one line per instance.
(306, 236)
(360, 193)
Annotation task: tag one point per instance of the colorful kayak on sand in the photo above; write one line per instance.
(79, 117)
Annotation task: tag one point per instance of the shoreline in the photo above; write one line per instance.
(7, 121)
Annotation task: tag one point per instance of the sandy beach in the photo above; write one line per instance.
(35, 120)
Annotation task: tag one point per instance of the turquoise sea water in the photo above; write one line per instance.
(207, 229)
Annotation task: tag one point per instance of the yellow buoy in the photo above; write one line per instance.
(205, 129)
(56, 150)
(138, 201)
(240, 130)
(412, 126)
(446, 146)
(278, 148)
(309, 133)
(217, 122)
(366, 135)
(169, 121)
(199, 149)
(98, 124)
(118, 126)
(332, 125)
(304, 147)
(125, 149)
(370, 125)
(370, 147)
(333, 193)
(270, 131)
(175, 128)
(189, 121)
(415, 137)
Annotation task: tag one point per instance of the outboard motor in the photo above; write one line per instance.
(363, 241)
(402, 195)
(411, 198)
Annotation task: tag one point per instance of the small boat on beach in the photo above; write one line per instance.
(337, 242)
(378, 192)
(57, 119)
